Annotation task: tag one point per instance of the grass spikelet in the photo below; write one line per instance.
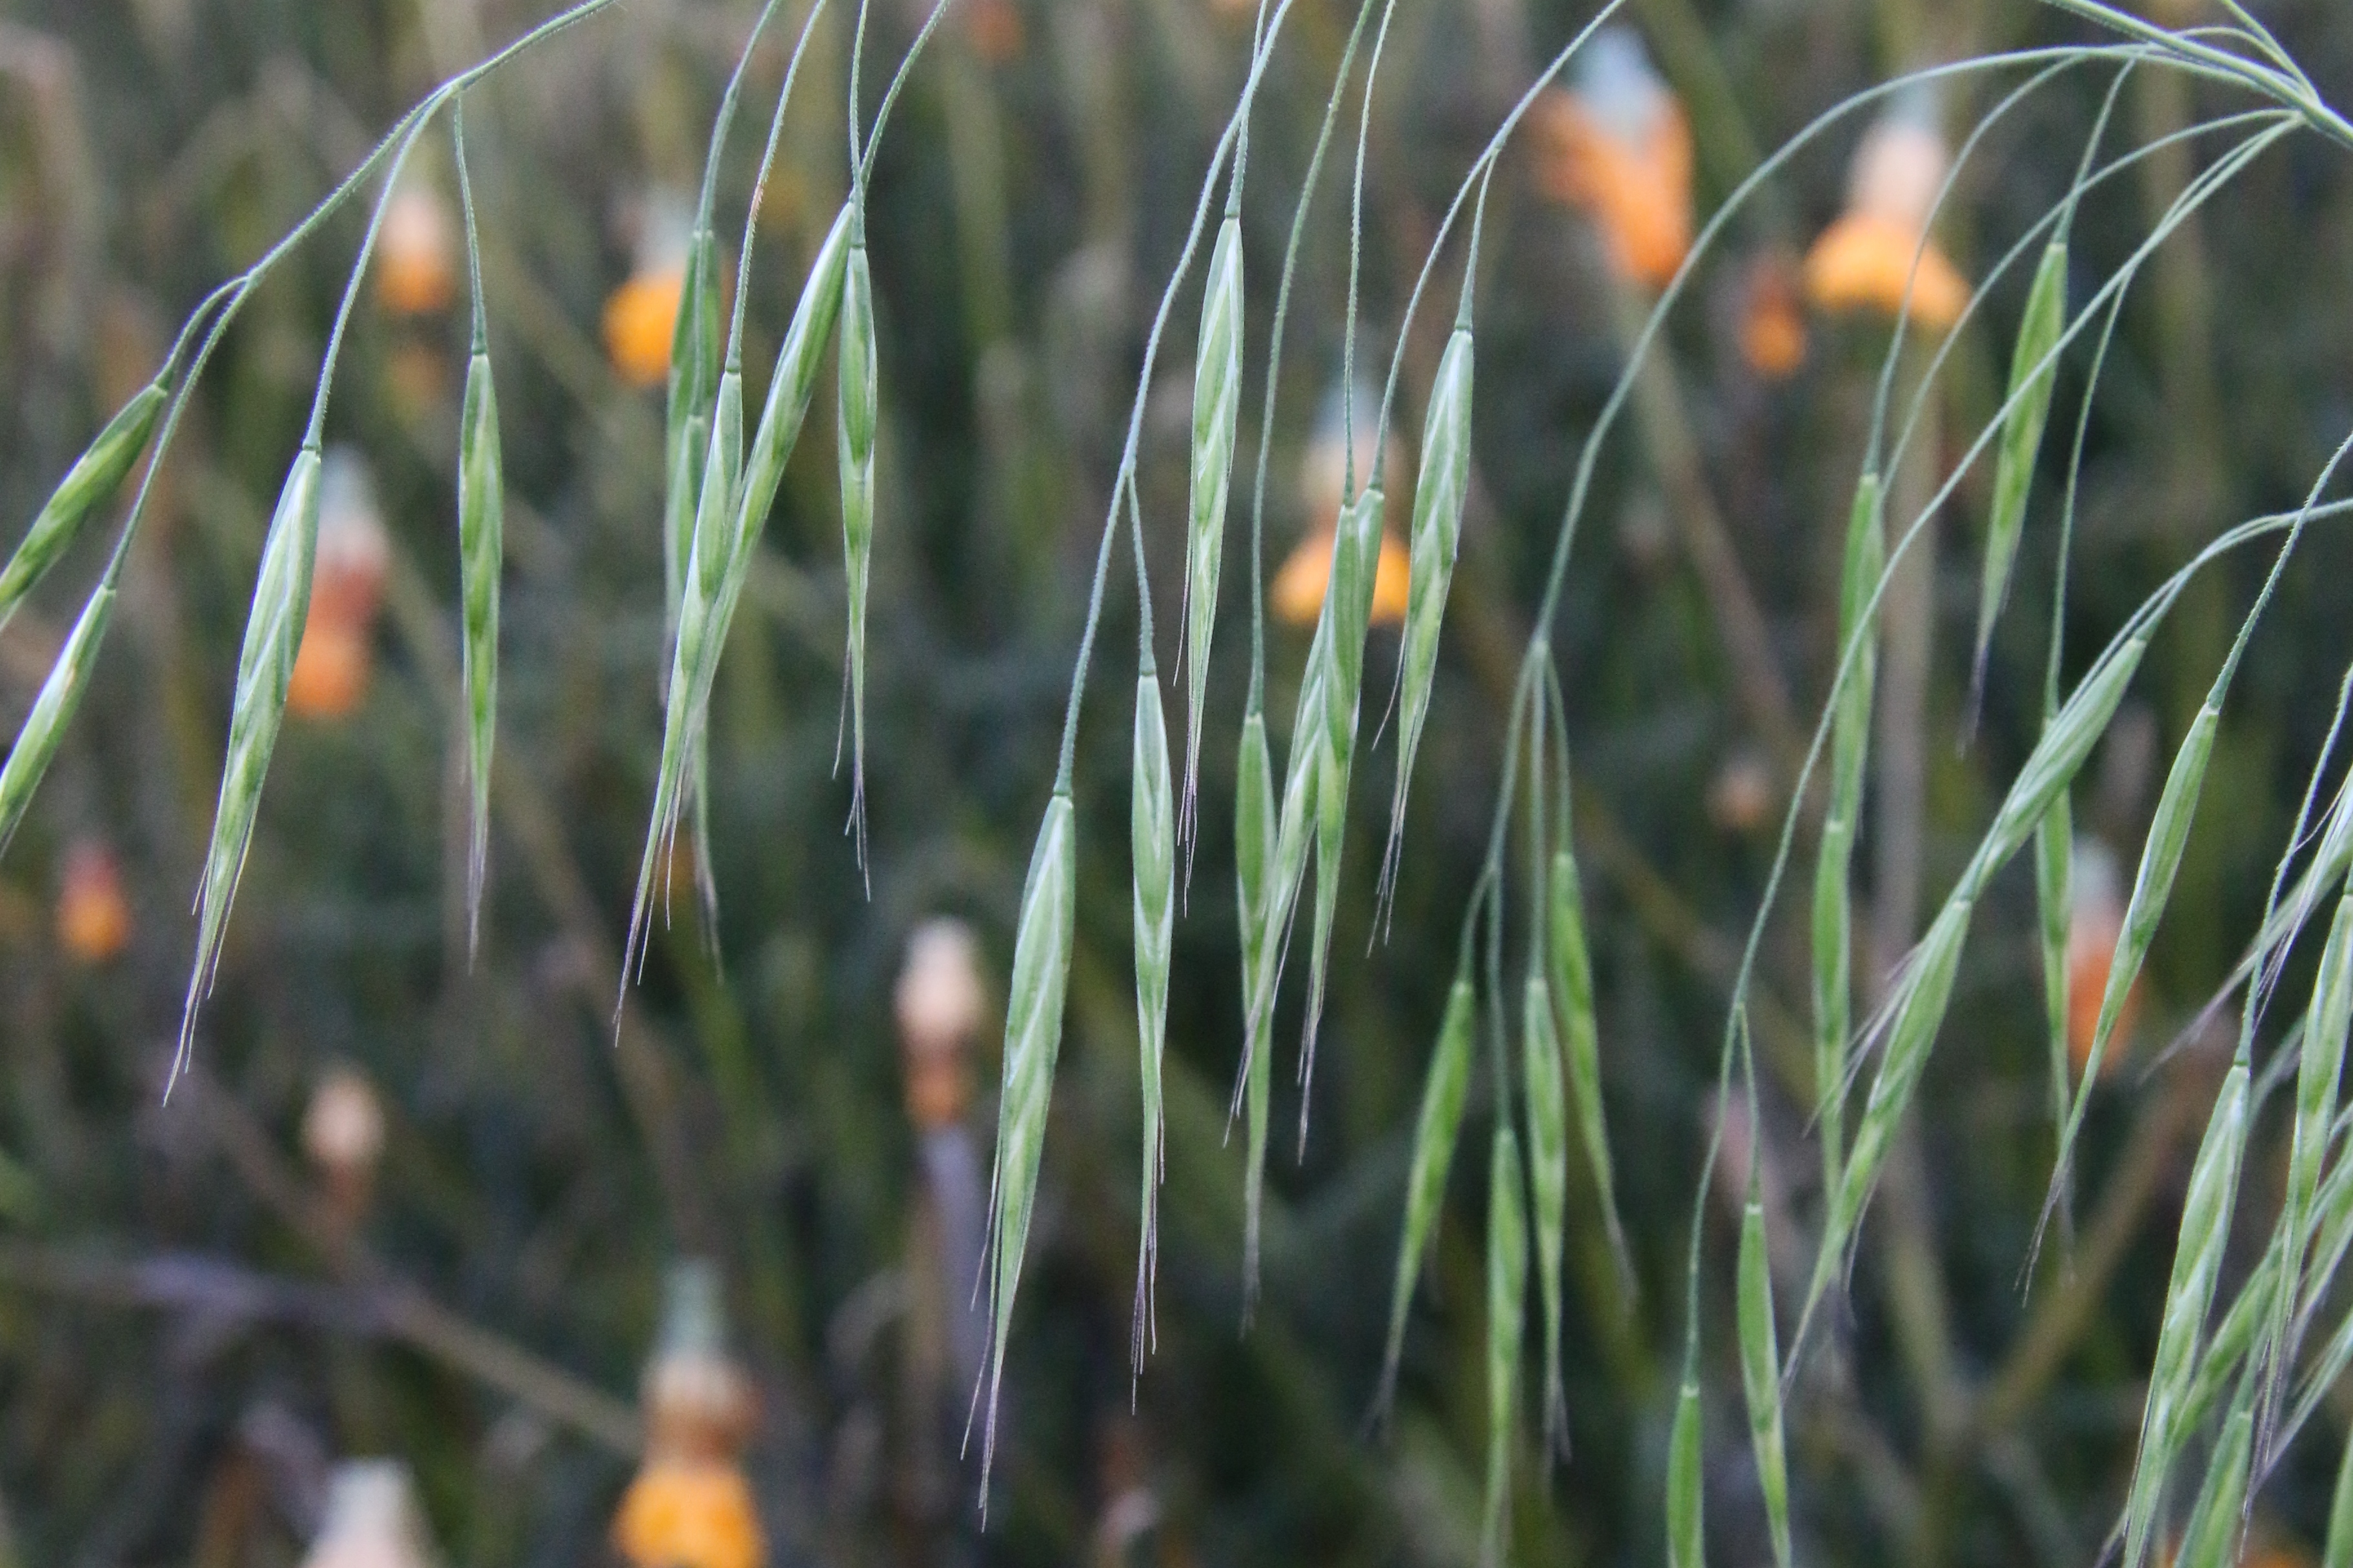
(1507, 1283)
(273, 630)
(1254, 827)
(2217, 1519)
(1216, 406)
(92, 481)
(1833, 913)
(694, 368)
(1546, 1097)
(1445, 1087)
(720, 553)
(2058, 756)
(1286, 866)
(481, 529)
(2055, 895)
(2190, 1293)
(1439, 493)
(1033, 1038)
(1760, 1371)
(1347, 610)
(1571, 975)
(1922, 996)
(1686, 1515)
(1152, 835)
(61, 693)
(2319, 1067)
(2033, 369)
(859, 382)
(2337, 1551)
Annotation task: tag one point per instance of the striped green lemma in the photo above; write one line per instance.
(92, 481)
(2033, 368)
(481, 534)
(482, 511)
(1833, 918)
(722, 540)
(1445, 1087)
(1152, 838)
(1348, 612)
(694, 367)
(1439, 493)
(2337, 1551)
(1686, 1527)
(1760, 1371)
(2054, 894)
(1253, 861)
(1546, 1100)
(860, 387)
(2320, 1066)
(1507, 1283)
(2217, 1519)
(1033, 1038)
(2190, 1294)
(1571, 973)
(273, 631)
(1216, 405)
(39, 737)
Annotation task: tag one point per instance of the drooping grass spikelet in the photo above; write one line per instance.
(44, 728)
(92, 481)
(1445, 1087)
(2217, 1521)
(2337, 1551)
(1686, 1484)
(273, 630)
(1346, 615)
(859, 380)
(2033, 370)
(694, 368)
(1545, 1097)
(1760, 1371)
(2190, 1293)
(1865, 559)
(1507, 1283)
(1571, 975)
(2054, 894)
(1033, 1038)
(1439, 493)
(1151, 836)
(2319, 1069)
(1216, 407)
(1255, 827)
(482, 533)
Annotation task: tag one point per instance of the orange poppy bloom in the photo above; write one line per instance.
(93, 916)
(1297, 593)
(640, 318)
(1772, 328)
(1865, 260)
(415, 273)
(689, 1514)
(1618, 144)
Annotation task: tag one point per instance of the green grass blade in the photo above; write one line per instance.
(2054, 894)
(1760, 1372)
(92, 481)
(1547, 1100)
(1438, 494)
(1216, 407)
(694, 367)
(273, 631)
(2033, 370)
(859, 382)
(1033, 1038)
(1152, 838)
(1444, 1088)
(1865, 559)
(1507, 1283)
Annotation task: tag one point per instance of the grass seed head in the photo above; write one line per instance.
(92, 481)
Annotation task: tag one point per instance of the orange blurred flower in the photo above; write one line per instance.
(1772, 328)
(1865, 260)
(995, 28)
(640, 318)
(692, 1514)
(689, 1506)
(332, 664)
(1296, 595)
(93, 916)
(414, 271)
(1617, 142)
(2095, 920)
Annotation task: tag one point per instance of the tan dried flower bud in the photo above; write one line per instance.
(940, 999)
(343, 1129)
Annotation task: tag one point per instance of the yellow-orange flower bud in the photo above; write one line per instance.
(1617, 144)
(93, 915)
